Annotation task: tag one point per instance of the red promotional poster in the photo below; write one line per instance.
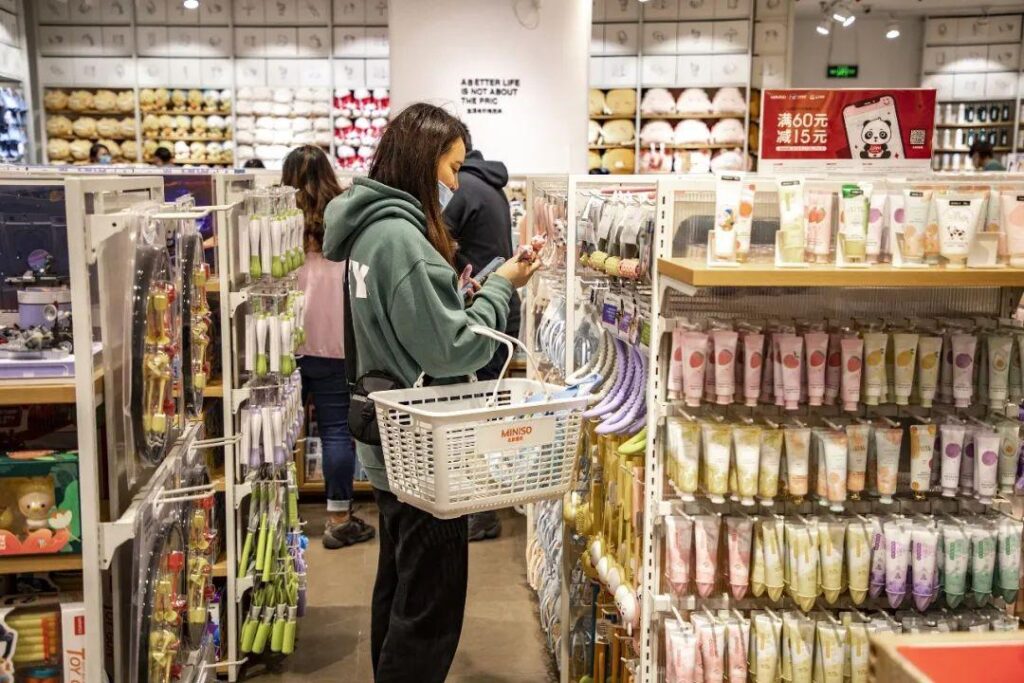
(847, 129)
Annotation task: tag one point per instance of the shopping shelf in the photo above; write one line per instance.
(24, 564)
(56, 390)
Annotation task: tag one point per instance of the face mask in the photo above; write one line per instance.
(444, 194)
(104, 159)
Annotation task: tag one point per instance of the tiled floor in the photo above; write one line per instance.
(501, 640)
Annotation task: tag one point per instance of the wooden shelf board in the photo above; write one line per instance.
(213, 285)
(23, 564)
(695, 272)
(318, 487)
(217, 480)
(182, 162)
(220, 567)
(214, 388)
(625, 145)
(122, 115)
(42, 391)
(690, 117)
(612, 117)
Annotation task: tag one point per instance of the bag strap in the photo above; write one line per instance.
(351, 355)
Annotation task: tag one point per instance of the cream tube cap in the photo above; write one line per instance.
(949, 493)
(752, 402)
(885, 500)
(850, 406)
(747, 502)
(725, 399)
(926, 402)
(716, 499)
(1017, 260)
(962, 403)
(814, 401)
(792, 405)
(836, 507)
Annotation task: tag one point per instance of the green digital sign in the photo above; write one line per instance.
(841, 71)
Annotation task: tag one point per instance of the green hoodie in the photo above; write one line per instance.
(407, 314)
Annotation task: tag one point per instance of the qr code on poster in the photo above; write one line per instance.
(917, 137)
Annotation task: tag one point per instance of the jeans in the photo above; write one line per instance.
(324, 380)
(419, 597)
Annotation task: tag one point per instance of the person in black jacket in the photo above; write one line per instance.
(479, 219)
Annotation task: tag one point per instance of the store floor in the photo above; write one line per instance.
(501, 638)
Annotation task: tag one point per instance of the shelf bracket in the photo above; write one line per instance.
(242, 585)
(242, 491)
(238, 397)
(236, 299)
(115, 534)
(662, 602)
(668, 283)
(102, 227)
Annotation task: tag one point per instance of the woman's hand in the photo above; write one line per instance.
(518, 271)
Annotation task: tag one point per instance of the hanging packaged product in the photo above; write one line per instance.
(196, 317)
(852, 349)
(753, 364)
(728, 189)
(768, 470)
(858, 442)
(738, 536)
(816, 346)
(958, 221)
(792, 234)
(819, 226)
(1012, 206)
(798, 449)
(858, 558)
(875, 346)
(678, 551)
(922, 447)
(905, 351)
(744, 222)
(876, 218)
(853, 230)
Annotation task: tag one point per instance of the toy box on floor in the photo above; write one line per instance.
(39, 503)
(42, 638)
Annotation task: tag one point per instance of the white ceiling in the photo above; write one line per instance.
(918, 7)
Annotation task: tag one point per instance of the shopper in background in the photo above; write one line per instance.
(99, 154)
(982, 157)
(322, 360)
(253, 163)
(162, 157)
(408, 318)
(480, 220)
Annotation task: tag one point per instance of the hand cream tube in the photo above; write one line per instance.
(897, 560)
(905, 350)
(768, 370)
(983, 561)
(709, 371)
(858, 559)
(952, 449)
(956, 554)
(803, 552)
(831, 539)
(888, 442)
(766, 637)
(986, 463)
(1009, 449)
(853, 215)
(757, 562)
(753, 364)
(675, 371)
(833, 370)
(835, 446)
(924, 547)
(792, 349)
(929, 351)
(725, 365)
(852, 354)
(777, 376)
(681, 654)
(963, 369)
(1012, 205)
(747, 444)
(831, 652)
(744, 221)
(798, 655)
(737, 636)
(967, 473)
(798, 452)
(946, 374)
(711, 636)
(706, 530)
(879, 551)
(768, 470)
(683, 442)
(679, 553)
(999, 350)
(858, 440)
(717, 447)
(739, 531)
(792, 231)
(876, 219)
(859, 648)
(922, 447)
(1009, 544)
(774, 573)
(817, 358)
(819, 226)
(695, 352)
(916, 207)
(958, 222)
(875, 345)
(727, 209)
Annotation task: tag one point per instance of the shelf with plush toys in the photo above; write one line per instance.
(77, 119)
(611, 132)
(269, 122)
(359, 120)
(195, 126)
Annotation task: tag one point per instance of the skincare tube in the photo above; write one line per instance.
(768, 469)
(747, 444)
(924, 541)
(737, 636)
(876, 219)
(709, 372)
(905, 350)
(695, 352)
(963, 369)
(946, 374)
(931, 235)
(875, 346)
(717, 448)
(804, 579)
(967, 473)
(817, 358)
(831, 652)
(897, 559)
(916, 207)
(859, 650)
(853, 215)
(819, 226)
(858, 438)
(834, 445)
(792, 349)
(999, 350)
(952, 449)
(725, 365)
(798, 452)
(958, 222)
(831, 539)
(792, 229)
(679, 553)
(744, 221)
(888, 442)
(757, 562)
(706, 530)
(711, 641)
(768, 370)
(1009, 543)
(858, 559)
(1009, 449)
(777, 377)
(675, 370)
(929, 351)
(986, 463)
(798, 654)
(879, 551)
(774, 572)
(739, 532)
(956, 554)
(852, 355)
(767, 632)
(727, 209)
(833, 370)
(683, 442)
(1012, 205)
(680, 653)
(922, 448)
(983, 561)
(753, 363)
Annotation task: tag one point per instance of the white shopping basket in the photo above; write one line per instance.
(460, 448)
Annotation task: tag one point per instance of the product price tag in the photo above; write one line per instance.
(610, 312)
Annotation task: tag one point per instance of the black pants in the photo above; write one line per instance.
(420, 595)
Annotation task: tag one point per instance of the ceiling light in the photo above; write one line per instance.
(843, 16)
(824, 26)
(191, 4)
(892, 30)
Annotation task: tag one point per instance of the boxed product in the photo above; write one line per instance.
(42, 638)
(39, 503)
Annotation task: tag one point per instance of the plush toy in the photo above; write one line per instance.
(107, 127)
(728, 132)
(245, 93)
(656, 133)
(593, 160)
(112, 147)
(324, 123)
(300, 125)
(147, 99)
(197, 151)
(320, 108)
(58, 126)
(104, 101)
(211, 100)
(166, 125)
(693, 101)
(658, 101)
(126, 128)
(728, 101)
(80, 100)
(55, 100)
(80, 149)
(129, 150)
(224, 97)
(245, 137)
(215, 126)
(181, 150)
(381, 102)
(280, 109)
(262, 107)
(244, 152)
(195, 100)
(727, 160)
(692, 132)
(618, 132)
(262, 92)
(84, 127)
(182, 124)
(151, 126)
(126, 102)
(57, 149)
(595, 103)
(35, 501)
(283, 95)
(621, 102)
(161, 98)
(243, 106)
(214, 152)
(178, 99)
(282, 137)
(150, 146)
(619, 161)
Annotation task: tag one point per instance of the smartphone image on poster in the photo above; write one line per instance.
(873, 129)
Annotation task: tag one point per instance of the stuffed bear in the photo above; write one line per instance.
(161, 99)
(55, 100)
(147, 99)
(129, 151)
(84, 127)
(195, 100)
(58, 126)
(107, 127)
(211, 100)
(58, 150)
(80, 149)
(104, 101)
(151, 125)
(126, 102)
(178, 99)
(80, 100)
(126, 128)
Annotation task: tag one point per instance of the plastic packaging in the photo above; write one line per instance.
(1009, 454)
(747, 444)
(897, 560)
(727, 209)
(858, 440)
(958, 222)
(963, 368)
(924, 548)
(1009, 549)
(817, 356)
(725, 369)
(853, 214)
(876, 219)
(753, 364)
(859, 648)
(802, 544)
(717, 449)
(879, 552)
(798, 451)
(834, 445)
(792, 228)
(675, 372)
(956, 555)
(767, 632)
(773, 543)
(831, 539)
(706, 531)
(681, 654)
(888, 442)
(831, 654)
(983, 561)
(922, 448)
(905, 352)
(739, 532)
(833, 370)
(858, 559)
(683, 441)
(792, 348)
(695, 353)
(916, 207)
(737, 636)
(952, 448)
(798, 653)
(768, 470)
(679, 553)
(1012, 205)
(1000, 349)
(929, 350)
(744, 221)
(819, 226)
(986, 464)
(875, 346)
(852, 355)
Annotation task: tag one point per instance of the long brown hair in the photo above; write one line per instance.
(307, 169)
(407, 158)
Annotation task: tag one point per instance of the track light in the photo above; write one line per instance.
(843, 15)
(824, 26)
(892, 30)
(191, 4)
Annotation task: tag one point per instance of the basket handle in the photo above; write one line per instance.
(510, 342)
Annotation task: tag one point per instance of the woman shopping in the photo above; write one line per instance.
(322, 364)
(408, 318)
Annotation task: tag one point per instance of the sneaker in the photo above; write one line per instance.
(351, 532)
(484, 525)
